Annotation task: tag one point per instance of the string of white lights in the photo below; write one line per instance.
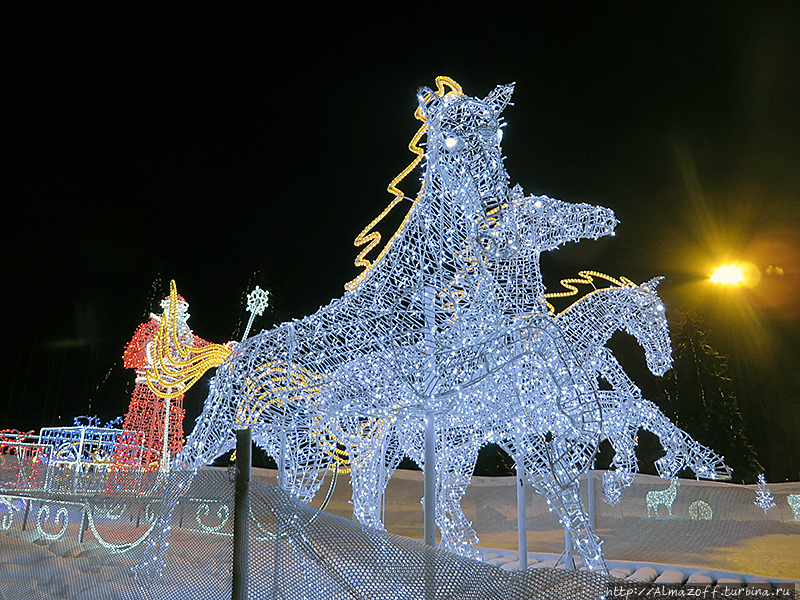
(449, 325)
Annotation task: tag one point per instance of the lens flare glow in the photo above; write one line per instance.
(731, 274)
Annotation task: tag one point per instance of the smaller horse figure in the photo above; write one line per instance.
(665, 497)
(624, 411)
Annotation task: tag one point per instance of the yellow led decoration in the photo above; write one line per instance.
(272, 377)
(370, 239)
(170, 375)
(584, 278)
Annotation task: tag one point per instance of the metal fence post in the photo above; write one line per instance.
(27, 510)
(240, 514)
(84, 523)
(522, 516)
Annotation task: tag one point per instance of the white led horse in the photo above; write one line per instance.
(538, 417)
(423, 331)
(624, 411)
(367, 357)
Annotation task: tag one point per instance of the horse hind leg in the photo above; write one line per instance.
(302, 461)
(572, 516)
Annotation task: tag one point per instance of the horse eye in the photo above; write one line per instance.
(452, 142)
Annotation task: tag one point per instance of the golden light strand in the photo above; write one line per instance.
(370, 239)
(168, 372)
(584, 278)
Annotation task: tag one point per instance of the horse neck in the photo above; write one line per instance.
(519, 282)
(606, 314)
(434, 243)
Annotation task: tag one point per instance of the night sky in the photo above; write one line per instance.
(224, 150)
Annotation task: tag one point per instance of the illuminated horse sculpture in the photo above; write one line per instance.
(423, 331)
(432, 329)
(533, 416)
(624, 410)
(365, 358)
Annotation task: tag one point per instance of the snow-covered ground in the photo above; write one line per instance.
(43, 562)
(198, 567)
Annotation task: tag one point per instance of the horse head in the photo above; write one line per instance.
(465, 161)
(648, 324)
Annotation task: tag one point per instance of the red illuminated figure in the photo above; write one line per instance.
(168, 358)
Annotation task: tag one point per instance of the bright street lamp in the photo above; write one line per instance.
(731, 274)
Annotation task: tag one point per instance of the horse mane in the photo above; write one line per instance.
(369, 238)
(585, 278)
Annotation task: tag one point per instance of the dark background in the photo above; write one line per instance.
(225, 149)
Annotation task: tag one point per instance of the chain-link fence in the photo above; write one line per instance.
(75, 545)
(90, 547)
(715, 525)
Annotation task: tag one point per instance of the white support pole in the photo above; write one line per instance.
(430, 419)
(590, 496)
(382, 481)
(522, 517)
(282, 462)
(569, 561)
(430, 479)
(165, 442)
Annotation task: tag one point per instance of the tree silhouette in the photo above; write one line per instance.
(700, 396)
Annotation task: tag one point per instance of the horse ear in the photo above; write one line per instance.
(653, 283)
(425, 97)
(500, 97)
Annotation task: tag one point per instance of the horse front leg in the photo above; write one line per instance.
(625, 468)
(372, 463)
(454, 467)
(682, 450)
(213, 433)
(302, 461)
(150, 569)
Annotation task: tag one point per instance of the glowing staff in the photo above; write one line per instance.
(257, 301)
